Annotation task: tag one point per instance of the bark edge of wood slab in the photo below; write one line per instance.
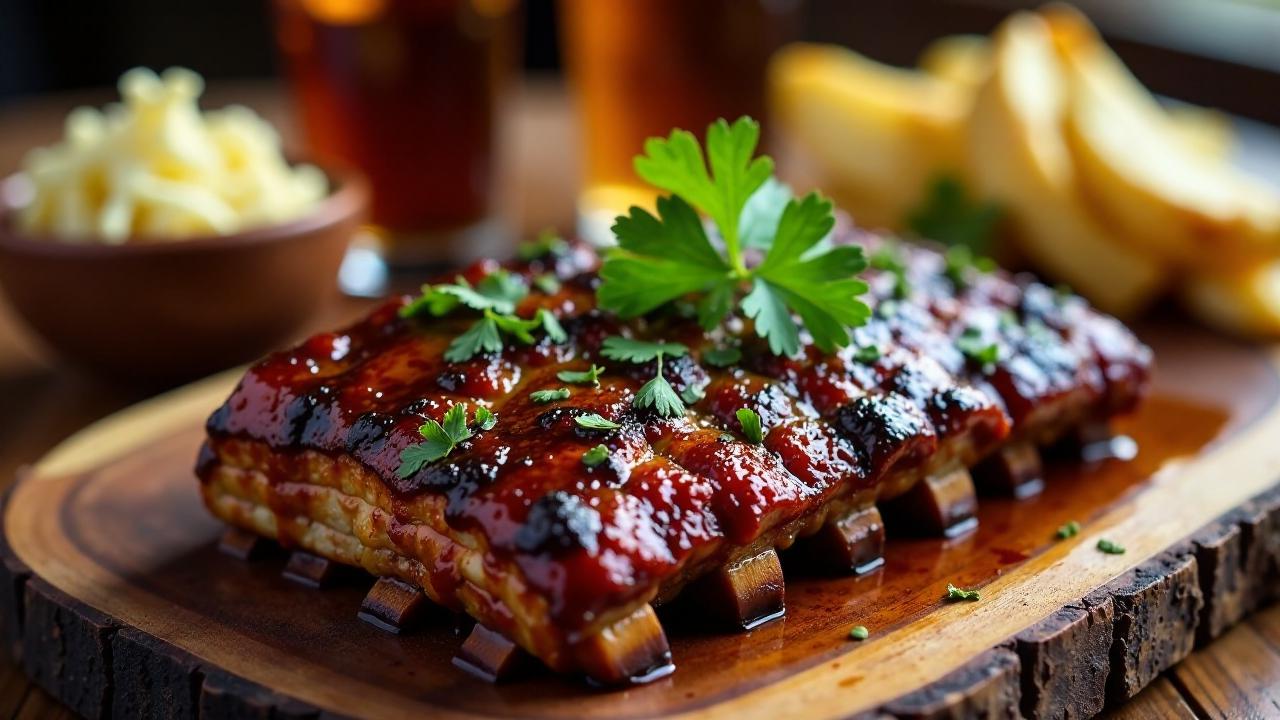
(1090, 655)
(91, 634)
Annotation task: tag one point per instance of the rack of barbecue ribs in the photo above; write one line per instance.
(567, 559)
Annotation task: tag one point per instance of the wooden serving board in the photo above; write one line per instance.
(117, 599)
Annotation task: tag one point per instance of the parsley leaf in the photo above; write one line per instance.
(750, 423)
(661, 260)
(975, 347)
(667, 258)
(547, 283)
(616, 347)
(961, 263)
(821, 289)
(495, 296)
(551, 326)
(888, 258)
(760, 216)
(657, 393)
(485, 419)
(498, 291)
(950, 216)
(1071, 529)
(955, 593)
(593, 421)
(676, 165)
(693, 393)
(868, 354)
(595, 456)
(590, 376)
(482, 337)
(1110, 548)
(549, 242)
(441, 439)
(486, 334)
(722, 357)
(543, 397)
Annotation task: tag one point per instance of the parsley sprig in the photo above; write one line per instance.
(974, 345)
(595, 456)
(442, 437)
(670, 257)
(949, 215)
(657, 393)
(495, 296)
(594, 421)
(590, 376)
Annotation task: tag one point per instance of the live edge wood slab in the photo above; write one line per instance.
(116, 597)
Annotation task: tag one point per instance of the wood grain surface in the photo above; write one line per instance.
(47, 401)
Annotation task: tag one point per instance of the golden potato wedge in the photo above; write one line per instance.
(1245, 302)
(875, 134)
(1022, 161)
(1204, 131)
(964, 60)
(1166, 199)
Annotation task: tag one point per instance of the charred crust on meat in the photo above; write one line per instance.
(886, 430)
(558, 523)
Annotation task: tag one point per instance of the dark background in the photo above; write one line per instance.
(1223, 53)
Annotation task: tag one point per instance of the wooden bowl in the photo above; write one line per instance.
(161, 312)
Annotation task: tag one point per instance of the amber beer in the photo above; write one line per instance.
(642, 67)
(406, 91)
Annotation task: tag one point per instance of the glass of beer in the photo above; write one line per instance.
(642, 67)
(406, 91)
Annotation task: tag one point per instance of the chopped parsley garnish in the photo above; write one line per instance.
(498, 291)
(442, 437)
(750, 423)
(859, 632)
(670, 257)
(593, 421)
(547, 283)
(543, 397)
(950, 216)
(657, 393)
(485, 419)
(722, 356)
(961, 264)
(1110, 548)
(595, 456)
(1069, 530)
(974, 345)
(591, 376)
(888, 258)
(868, 354)
(693, 393)
(955, 593)
(495, 296)
(549, 242)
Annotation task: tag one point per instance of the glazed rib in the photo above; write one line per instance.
(565, 559)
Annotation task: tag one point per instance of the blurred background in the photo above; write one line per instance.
(481, 122)
(1224, 53)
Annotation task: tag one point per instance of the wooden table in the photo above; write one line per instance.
(1235, 677)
